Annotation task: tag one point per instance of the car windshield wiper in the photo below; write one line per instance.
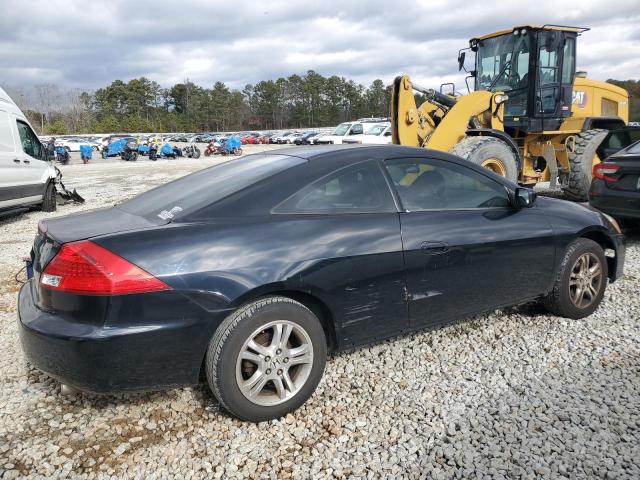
(504, 69)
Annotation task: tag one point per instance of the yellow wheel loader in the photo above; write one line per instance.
(530, 117)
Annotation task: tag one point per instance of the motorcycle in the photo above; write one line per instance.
(211, 149)
(191, 151)
(130, 152)
(153, 152)
(231, 145)
(62, 155)
(167, 151)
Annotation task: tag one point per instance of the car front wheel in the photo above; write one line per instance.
(580, 281)
(266, 359)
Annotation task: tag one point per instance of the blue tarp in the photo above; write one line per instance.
(143, 149)
(116, 147)
(60, 150)
(86, 151)
(233, 142)
(166, 149)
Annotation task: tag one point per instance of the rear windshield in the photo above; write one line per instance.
(632, 149)
(200, 189)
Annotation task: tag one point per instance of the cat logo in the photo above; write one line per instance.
(579, 98)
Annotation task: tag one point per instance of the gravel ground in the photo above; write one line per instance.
(516, 393)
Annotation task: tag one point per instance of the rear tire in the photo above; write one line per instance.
(244, 347)
(49, 203)
(570, 281)
(489, 152)
(581, 164)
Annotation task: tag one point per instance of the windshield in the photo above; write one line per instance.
(341, 129)
(205, 187)
(376, 130)
(502, 63)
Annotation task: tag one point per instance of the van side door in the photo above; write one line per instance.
(10, 165)
(32, 158)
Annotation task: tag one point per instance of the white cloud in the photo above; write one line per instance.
(75, 43)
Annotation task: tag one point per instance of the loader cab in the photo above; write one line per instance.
(535, 67)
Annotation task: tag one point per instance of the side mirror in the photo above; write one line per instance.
(525, 197)
(461, 56)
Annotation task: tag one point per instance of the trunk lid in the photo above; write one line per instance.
(628, 176)
(54, 232)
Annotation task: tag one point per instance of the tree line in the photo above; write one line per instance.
(143, 105)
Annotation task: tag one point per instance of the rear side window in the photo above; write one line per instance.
(201, 189)
(6, 135)
(359, 188)
(31, 144)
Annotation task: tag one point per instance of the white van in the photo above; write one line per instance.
(27, 179)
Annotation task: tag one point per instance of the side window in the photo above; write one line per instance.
(356, 129)
(547, 63)
(568, 60)
(426, 184)
(6, 135)
(359, 188)
(30, 143)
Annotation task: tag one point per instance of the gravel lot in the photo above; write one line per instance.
(516, 393)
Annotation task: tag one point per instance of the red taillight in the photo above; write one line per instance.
(87, 268)
(604, 170)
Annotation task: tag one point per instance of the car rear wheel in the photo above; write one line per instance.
(266, 359)
(580, 282)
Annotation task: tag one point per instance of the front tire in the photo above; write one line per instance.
(266, 359)
(49, 203)
(580, 281)
(490, 153)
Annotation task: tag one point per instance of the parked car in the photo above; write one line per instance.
(27, 178)
(615, 187)
(344, 130)
(314, 138)
(73, 144)
(280, 138)
(253, 269)
(273, 138)
(378, 134)
(303, 139)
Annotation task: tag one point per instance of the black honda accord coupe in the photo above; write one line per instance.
(253, 270)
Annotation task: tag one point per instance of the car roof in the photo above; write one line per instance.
(319, 151)
(356, 152)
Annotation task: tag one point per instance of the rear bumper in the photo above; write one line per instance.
(105, 359)
(617, 203)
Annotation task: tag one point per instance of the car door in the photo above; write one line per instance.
(466, 249)
(31, 155)
(351, 227)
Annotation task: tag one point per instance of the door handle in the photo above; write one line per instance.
(26, 161)
(16, 160)
(434, 248)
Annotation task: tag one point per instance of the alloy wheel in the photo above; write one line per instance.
(274, 363)
(585, 280)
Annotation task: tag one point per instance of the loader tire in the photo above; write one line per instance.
(581, 164)
(489, 152)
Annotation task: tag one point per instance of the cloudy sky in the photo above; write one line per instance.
(87, 44)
